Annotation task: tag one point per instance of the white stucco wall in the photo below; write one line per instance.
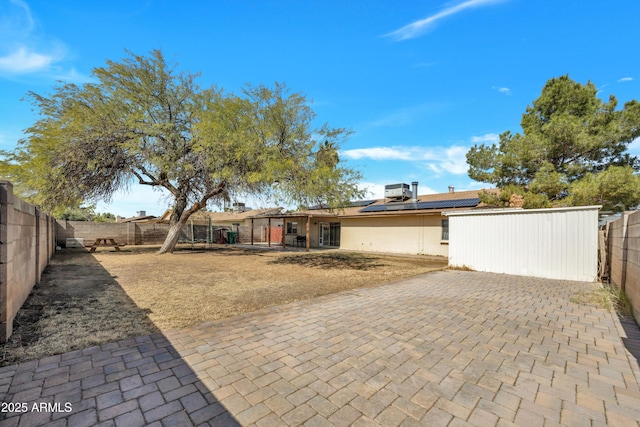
(402, 234)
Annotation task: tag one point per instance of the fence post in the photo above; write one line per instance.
(625, 250)
(603, 268)
(6, 193)
(37, 246)
(48, 238)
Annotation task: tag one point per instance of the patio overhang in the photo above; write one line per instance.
(301, 216)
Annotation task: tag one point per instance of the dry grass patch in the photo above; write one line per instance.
(460, 268)
(86, 299)
(191, 287)
(606, 296)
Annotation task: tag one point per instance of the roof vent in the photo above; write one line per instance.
(451, 188)
(397, 191)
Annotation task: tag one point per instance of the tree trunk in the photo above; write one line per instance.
(180, 215)
(172, 237)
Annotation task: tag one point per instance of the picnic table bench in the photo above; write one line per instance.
(105, 241)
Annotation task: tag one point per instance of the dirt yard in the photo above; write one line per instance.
(86, 299)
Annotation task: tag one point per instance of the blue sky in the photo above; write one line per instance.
(419, 82)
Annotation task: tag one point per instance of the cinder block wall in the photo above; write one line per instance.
(632, 285)
(90, 231)
(141, 233)
(26, 246)
(149, 233)
(615, 251)
(624, 257)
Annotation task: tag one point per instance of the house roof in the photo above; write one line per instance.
(146, 218)
(238, 216)
(426, 204)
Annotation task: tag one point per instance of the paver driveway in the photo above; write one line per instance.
(447, 348)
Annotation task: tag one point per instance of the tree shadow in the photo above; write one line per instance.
(632, 339)
(218, 250)
(352, 261)
(76, 304)
(75, 320)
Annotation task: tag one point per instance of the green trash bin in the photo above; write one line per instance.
(232, 236)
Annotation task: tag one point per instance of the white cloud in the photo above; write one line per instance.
(439, 160)
(16, 19)
(73, 76)
(24, 61)
(487, 137)
(419, 27)
(373, 190)
(504, 90)
(24, 46)
(625, 79)
(452, 160)
(379, 153)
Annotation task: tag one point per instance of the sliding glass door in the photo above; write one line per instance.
(329, 234)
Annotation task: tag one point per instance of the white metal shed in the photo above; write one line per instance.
(558, 243)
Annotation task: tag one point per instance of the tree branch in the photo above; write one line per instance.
(203, 201)
(163, 182)
(142, 181)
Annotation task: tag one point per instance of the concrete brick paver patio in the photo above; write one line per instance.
(448, 348)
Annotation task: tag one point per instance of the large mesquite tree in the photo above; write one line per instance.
(143, 123)
(573, 151)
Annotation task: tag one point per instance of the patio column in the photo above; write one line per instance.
(307, 240)
(269, 233)
(284, 232)
(251, 231)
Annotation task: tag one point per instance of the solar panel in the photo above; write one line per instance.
(438, 204)
(359, 203)
(321, 206)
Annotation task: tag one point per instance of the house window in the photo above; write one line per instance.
(292, 228)
(445, 229)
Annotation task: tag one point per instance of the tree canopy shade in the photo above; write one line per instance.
(573, 151)
(143, 122)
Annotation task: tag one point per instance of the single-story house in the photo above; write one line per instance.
(402, 222)
(145, 218)
(238, 217)
(241, 220)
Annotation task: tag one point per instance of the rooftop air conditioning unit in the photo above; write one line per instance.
(397, 191)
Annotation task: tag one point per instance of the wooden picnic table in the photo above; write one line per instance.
(105, 241)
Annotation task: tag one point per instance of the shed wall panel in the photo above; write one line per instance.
(549, 243)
